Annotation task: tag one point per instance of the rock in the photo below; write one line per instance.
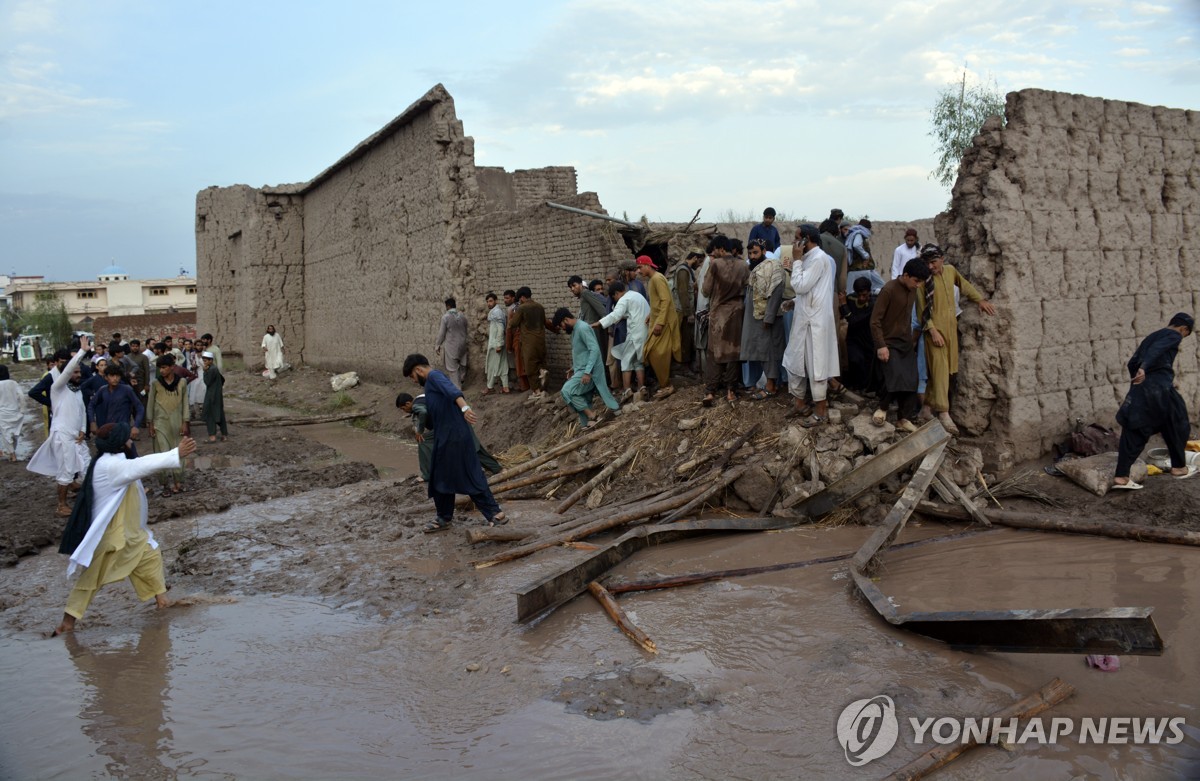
(644, 676)
(828, 439)
(341, 382)
(687, 424)
(851, 447)
(835, 416)
(595, 499)
(473, 667)
(755, 487)
(793, 437)
(962, 464)
(874, 515)
(684, 444)
(871, 435)
(867, 501)
(832, 466)
(1095, 473)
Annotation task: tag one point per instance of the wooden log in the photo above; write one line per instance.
(1041, 700)
(543, 477)
(573, 444)
(609, 603)
(605, 473)
(698, 503)
(644, 498)
(604, 524)
(302, 421)
(1023, 520)
(476, 534)
(960, 496)
(652, 584)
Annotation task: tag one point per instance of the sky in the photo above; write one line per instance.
(114, 114)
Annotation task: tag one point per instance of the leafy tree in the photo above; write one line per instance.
(48, 317)
(957, 115)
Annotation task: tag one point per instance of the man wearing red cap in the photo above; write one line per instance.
(663, 343)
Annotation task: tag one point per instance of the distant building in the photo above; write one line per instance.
(113, 294)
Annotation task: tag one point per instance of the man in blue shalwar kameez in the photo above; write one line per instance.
(1153, 406)
(454, 466)
(587, 370)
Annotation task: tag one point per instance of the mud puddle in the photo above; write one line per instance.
(288, 685)
(393, 457)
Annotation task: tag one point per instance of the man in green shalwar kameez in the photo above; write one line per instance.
(166, 412)
(587, 370)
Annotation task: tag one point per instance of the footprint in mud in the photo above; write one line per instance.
(639, 693)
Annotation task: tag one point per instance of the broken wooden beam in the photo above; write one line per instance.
(960, 496)
(697, 504)
(1128, 630)
(310, 420)
(533, 463)
(618, 616)
(604, 474)
(548, 593)
(543, 477)
(1041, 700)
(696, 578)
(1052, 523)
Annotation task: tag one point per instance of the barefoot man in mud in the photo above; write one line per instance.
(107, 538)
(454, 465)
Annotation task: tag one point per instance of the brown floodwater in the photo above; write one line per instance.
(393, 457)
(288, 687)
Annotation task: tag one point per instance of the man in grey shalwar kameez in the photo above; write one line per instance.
(452, 343)
(764, 336)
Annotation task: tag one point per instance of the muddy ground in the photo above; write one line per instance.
(272, 515)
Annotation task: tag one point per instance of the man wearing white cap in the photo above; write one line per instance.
(214, 398)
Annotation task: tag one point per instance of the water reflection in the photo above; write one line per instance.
(125, 710)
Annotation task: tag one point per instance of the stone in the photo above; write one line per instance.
(473, 667)
(793, 437)
(595, 499)
(851, 447)
(1095, 473)
(835, 416)
(688, 424)
(755, 487)
(833, 466)
(871, 435)
(343, 382)
(962, 464)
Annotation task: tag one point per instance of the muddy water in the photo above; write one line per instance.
(271, 687)
(392, 457)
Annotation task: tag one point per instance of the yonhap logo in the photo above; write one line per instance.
(868, 729)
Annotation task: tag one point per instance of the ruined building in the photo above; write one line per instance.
(352, 267)
(1078, 216)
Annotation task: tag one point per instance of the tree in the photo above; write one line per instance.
(957, 115)
(48, 317)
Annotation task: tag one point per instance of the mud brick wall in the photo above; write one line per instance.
(382, 249)
(250, 267)
(541, 247)
(1080, 218)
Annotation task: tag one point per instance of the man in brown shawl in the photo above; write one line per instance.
(723, 286)
(530, 319)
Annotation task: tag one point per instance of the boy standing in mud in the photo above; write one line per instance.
(454, 463)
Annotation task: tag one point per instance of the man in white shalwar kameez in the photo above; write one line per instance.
(107, 537)
(64, 454)
(632, 307)
(11, 417)
(812, 350)
(272, 344)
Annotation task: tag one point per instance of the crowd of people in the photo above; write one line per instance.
(752, 319)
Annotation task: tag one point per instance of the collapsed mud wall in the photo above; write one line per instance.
(1080, 218)
(353, 266)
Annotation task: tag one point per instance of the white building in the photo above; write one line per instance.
(113, 294)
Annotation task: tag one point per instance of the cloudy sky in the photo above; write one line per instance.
(114, 114)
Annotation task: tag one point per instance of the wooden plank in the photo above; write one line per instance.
(1055, 523)
(961, 497)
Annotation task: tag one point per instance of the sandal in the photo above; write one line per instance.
(879, 417)
(436, 525)
(165, 493)
(505, 390)
(758, 394)
(664, 392)
(799, 412)
(708, 401)
(1191, 472)
(812, 421)
(485, 392)
(1130, 486)
(499, 519)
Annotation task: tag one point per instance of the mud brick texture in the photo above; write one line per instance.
(1080, 218)
(352, 267)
